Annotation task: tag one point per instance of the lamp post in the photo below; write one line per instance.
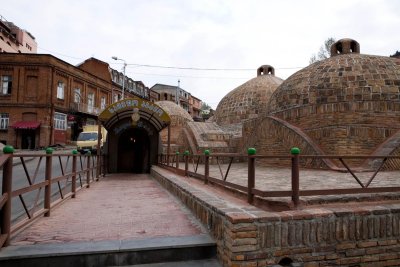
(123, 78)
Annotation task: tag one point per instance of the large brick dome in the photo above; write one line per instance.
(349, 103)
(178, 115)
(249, 99)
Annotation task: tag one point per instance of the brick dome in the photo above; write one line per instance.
(348, 102)
(178, 115)
(249, 99)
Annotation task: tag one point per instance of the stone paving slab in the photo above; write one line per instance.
(119, 207)
(279, 178)
(275, 178)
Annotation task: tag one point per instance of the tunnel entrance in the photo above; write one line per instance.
(133, 137)
(133, 151)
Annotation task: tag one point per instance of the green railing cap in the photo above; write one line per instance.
(207, 152)
(49, 150)
(186, 153)
(74, 152)
(251, 151)
(295, 150)
(8, 149)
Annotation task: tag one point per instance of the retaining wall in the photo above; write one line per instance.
(348, 235)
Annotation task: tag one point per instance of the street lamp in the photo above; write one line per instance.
(123, 78)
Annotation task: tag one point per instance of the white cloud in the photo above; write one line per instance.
(205, 34)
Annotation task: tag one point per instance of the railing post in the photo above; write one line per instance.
(186, 153)
(88, 169)
(98, 151)
(295, 176)
(177, 161)
(5, 222)
(105, 164)
(47, 189)
(206, 166)
(97, 166)
(251, 175)
(73, 182)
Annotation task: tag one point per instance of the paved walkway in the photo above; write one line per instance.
(119, 207)
(129, 207)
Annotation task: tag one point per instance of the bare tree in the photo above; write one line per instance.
(324, 51)
(397, 54)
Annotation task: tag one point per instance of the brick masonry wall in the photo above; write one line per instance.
(272, 137)
(325, 236)
(34, 85)
(246, 101)
(347, 104)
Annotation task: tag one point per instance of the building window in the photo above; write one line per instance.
(60, 90)
(115, 97)
(77, 95)
(103, 102)
(60, 121)
(4, 119)
(90, 102)
(6, 84)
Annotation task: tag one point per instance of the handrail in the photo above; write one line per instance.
(69, 172)
(295, 157)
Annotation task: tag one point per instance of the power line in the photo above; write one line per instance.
(176, 67)
(190, 76)
(202, 69)
(60, 54)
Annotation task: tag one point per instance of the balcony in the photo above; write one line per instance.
(85, 108)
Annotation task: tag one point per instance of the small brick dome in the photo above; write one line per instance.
(348, 102)
(249, 99)
(178, 115)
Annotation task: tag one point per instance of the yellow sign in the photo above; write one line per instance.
(135, 109)
(130, 104)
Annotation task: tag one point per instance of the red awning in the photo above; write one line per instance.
(26, 125)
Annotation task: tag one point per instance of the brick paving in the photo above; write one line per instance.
(128, 206)
(118, 207)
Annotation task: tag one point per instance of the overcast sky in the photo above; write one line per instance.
(205, 34)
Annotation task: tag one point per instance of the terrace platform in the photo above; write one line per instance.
(127, 219)
(122, 219)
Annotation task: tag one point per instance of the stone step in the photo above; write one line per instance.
(111, 253)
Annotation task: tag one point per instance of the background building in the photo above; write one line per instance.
(183, 98)
(45, 101)
(15, 40)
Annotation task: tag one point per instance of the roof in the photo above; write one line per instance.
(247, 101)
(174, 110)
(23, 125)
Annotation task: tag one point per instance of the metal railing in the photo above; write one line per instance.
(42, 187)
(85, 108)
(172, 161)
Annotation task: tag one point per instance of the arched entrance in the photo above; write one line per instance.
(133, 151)
(133, 126)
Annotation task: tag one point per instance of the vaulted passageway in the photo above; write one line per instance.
(133, 151)
(133, 139)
